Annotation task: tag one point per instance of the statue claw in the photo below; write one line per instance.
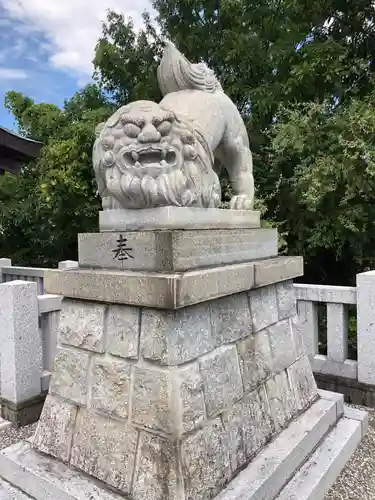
(241, 202)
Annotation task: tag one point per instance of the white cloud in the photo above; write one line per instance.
(71, 27)
(12, 74)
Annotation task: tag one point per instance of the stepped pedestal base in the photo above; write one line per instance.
(181, 377)
(302, 462)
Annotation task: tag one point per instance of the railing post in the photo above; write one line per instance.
(4, 263)
(366, 327)
(307, 326)
(49, 310)
(68, 264)
(337, 332)
(21, 350)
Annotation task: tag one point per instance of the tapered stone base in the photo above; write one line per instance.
(302, 463)
(167, 385)
(172, 404)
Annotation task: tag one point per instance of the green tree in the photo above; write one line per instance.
(326, 205)
(299, 71)
(56, 195)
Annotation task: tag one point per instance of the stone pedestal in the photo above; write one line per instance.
(171, 380)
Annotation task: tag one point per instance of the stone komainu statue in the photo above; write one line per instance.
(151, 155)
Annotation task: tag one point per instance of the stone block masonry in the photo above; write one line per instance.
(174, 250)
(171, 404)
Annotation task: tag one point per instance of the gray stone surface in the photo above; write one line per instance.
(49, 328)
(277, 462)
(206, 284)
(161, 290)
(21, 346)
(44, 478)
(166, 291)
(67, 264)
(303, 383)
(337, 326)
(54, 433)
(205, 462)
(145, 250)
(248, 424)
(49, 303)
(110, 386)
(271, 271)
(263, 306)
(306, 326)
(105, 449)
(298, 339)
(176, 250)
(331, 294)
(362, 416)
(221, 379)
(155, 476)
(230, 318)
(281, 399)
(347, 370)
(317, 475)
(175, 337)
(286, 299)
(123, 331)
(335, 397)
(82, 325)
(255, 359)
(366, 327)
(151, 400)
(163, 218)
(190, 390)
(7, 492)
(69, 378)
(282, 345)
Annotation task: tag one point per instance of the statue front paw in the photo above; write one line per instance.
(241, 202)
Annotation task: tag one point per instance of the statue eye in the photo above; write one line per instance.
(108, 142)
(164, 128)
(187, 138)
(132, 130)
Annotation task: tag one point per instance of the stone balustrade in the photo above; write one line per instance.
(28, 326)
(34, 274)
(335, 370)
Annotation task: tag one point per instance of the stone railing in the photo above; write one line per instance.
(338, 300)
(34, 274)
(28, 334)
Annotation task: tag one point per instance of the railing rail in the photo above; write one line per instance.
(33, 274)
(337, 300)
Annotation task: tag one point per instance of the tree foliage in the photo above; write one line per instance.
(55, 197)
(300, 72)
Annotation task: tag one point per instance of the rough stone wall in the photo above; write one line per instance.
(172, 404)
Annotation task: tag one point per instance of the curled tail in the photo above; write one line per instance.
(176, 73)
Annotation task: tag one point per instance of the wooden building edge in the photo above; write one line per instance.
(15, 151)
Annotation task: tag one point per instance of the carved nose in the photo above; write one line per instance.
(149, 134)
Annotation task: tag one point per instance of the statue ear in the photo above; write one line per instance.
(99, 128)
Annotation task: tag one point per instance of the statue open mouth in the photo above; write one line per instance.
(150, 157)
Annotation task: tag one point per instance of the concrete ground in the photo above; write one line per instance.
(356, 482)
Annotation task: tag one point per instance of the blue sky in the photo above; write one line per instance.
(46, 46)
